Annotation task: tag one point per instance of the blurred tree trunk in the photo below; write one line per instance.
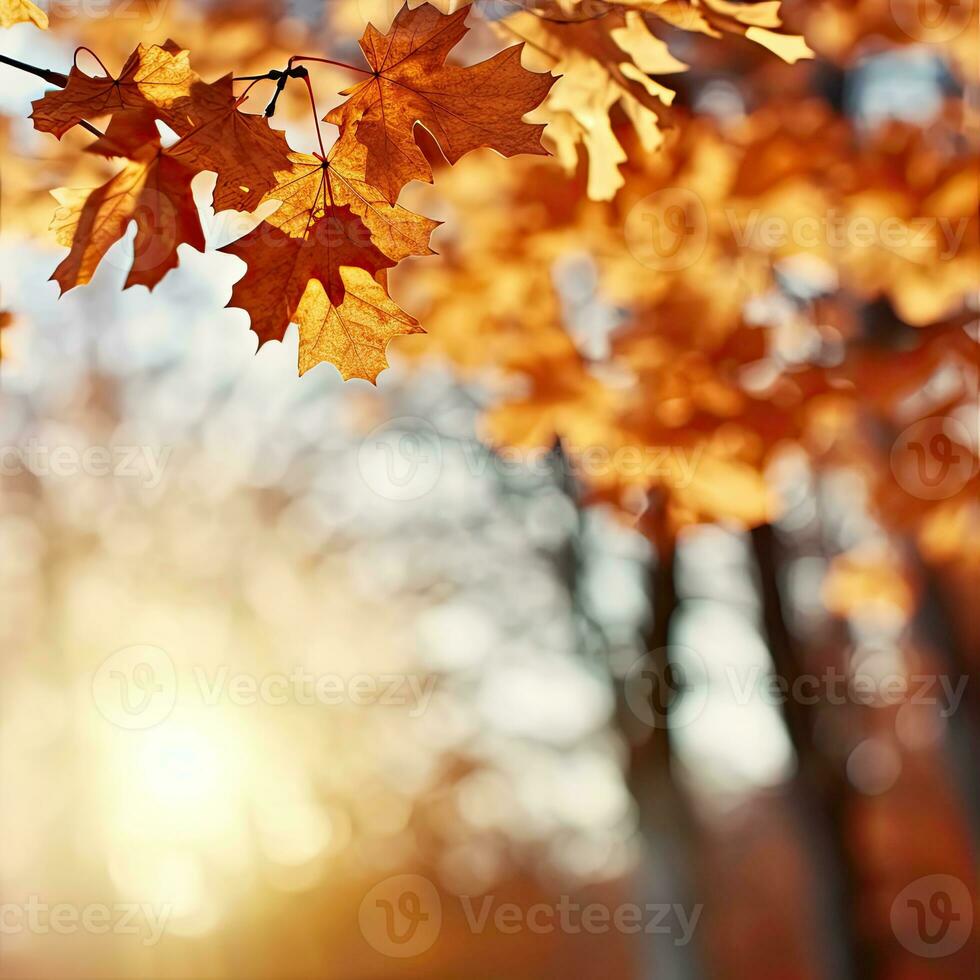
(667, 822)
(821, 789)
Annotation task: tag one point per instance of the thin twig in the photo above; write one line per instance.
(53, 78)
(329, 61)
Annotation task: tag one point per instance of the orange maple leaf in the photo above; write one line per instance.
(153, 78)
(354, 334)
(21, 12)
(348, 330)
(153, 189)
(463, 108)
(241, 148)
(312, 185)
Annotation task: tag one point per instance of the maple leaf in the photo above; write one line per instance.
(462, 107)
(312, 185)
(153, 189)
(21, 12)
(241, 148)
(349, 319)
(354, 334)
(153, 78)
(614, 61)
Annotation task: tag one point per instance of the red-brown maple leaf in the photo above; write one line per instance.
(153, 78)
(153, 189)
(463, 107)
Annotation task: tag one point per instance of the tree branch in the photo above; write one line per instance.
(52, 78)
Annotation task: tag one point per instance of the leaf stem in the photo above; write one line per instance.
(329, 61)
(101, 63)
(316, 115)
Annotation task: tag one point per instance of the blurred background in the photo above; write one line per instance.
(311, 679)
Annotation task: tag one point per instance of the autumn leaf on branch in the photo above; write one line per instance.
(463, 108)
(153, 189)
(319, 258)
(22, 12)
(311, 185)
(334, 229)
(348, 320)
(153, 78)
(241, 148)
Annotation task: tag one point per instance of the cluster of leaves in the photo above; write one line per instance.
(610, 54)
(735, 346)
(320, 258)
